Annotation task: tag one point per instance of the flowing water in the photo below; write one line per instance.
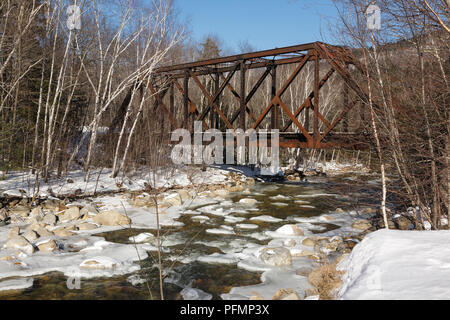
(183, 245)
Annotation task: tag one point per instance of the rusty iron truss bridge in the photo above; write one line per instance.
(168, 78)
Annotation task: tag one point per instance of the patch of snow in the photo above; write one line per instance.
(279, 204)
(248, 226)
(200, 218)
(395, 264)
(142, 237)
(232, 219)
(220, 231)
(266, 218)
(280, 197)
(248, 201)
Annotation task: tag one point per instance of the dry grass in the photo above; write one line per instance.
(326, 279)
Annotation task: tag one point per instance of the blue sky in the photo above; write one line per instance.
(264, 24)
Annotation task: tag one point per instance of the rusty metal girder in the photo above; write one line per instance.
(337, 57)
(239, 57)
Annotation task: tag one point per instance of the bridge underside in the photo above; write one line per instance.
(319, 134)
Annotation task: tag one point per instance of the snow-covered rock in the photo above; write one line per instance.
(290, 230)
(277, 256)
(248, 201)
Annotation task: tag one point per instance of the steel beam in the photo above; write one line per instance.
(274, 119)
(242, 94)
(316, 100)
(239, 57)
(282, 90)
(186, 98)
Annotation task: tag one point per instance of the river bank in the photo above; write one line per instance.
(267, 237)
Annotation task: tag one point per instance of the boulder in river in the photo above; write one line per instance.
(391, 224)
(221, 192)
(42, 231)
(310, 242)
(86, 226)
(403, 223)
(15, 231)
(84, 212)
(51, 204)
(72, 213)
(19, 242)
(3, 215)
(47, 246)
(362, 224)
(37, 214)
(111, 218)
(290, 230)
(173, 200)
(30, 235)
(286, 294)
(50, 219)
(276, 256)
(63, 232)
(248, 201)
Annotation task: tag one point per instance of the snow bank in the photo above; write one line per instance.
(394, 264)
(19, 184)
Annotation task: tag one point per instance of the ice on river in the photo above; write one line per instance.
(16, 284)
(266, 218)
(280, 197)
(220, 231)
(120, 259)
(247, 226)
